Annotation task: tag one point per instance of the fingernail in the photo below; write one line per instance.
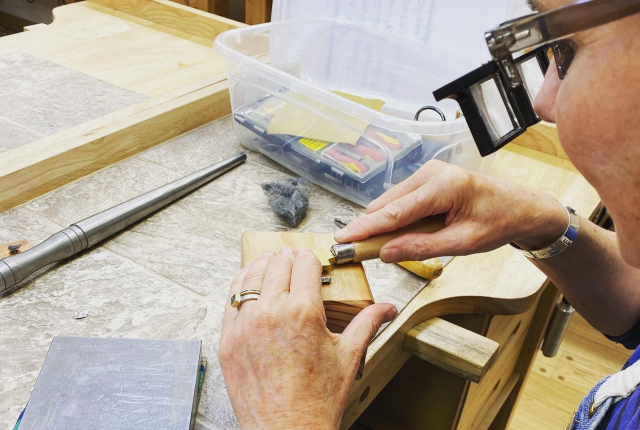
(287, 251)
(391, 255)
(340, 234)
(267, 254)
(391, 314)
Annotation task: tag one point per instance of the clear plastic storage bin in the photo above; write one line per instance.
(308, 94)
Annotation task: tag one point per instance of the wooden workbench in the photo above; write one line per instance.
(155, 281)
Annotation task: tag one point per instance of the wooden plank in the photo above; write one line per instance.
(456, 349)
(346, 295)
(257, 11)
(31, 170)
(119, 48)
(174, 15)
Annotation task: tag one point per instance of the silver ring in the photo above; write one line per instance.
(238, 298)
(433, 108)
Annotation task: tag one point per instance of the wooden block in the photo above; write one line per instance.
(346, 295)
(452, 347)
(8, 249)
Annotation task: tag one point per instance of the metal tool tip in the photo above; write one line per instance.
(339, 222)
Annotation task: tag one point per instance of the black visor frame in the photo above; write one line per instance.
(516, 101)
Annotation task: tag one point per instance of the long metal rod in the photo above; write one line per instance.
(93, 230)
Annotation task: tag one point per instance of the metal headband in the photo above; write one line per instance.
(539, 29)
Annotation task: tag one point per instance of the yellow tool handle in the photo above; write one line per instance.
(368, 249)
(429, 269)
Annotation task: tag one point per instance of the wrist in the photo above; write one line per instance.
(307, 418)
(547, 224)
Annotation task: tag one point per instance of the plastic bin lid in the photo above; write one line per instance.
(453, 26)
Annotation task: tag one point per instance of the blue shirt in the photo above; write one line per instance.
(625, 415)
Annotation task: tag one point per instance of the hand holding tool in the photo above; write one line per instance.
(368, 249)
(93, 230)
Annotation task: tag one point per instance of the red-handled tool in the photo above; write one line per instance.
(349, 162)
(388, 141)
(366, 151)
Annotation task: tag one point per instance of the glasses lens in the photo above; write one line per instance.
(563, 53)
(495, 111)
(532, 76)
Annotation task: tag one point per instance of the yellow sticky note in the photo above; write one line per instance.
(301, 121)
(374, 104)
(313, 144)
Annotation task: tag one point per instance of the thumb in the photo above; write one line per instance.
(355, 338)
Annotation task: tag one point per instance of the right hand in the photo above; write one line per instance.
(482, 214)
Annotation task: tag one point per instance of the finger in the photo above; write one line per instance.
(305, 276)
(361, 330)
(397, 214)
(452, 240)
(255, 277)
(410, 184)
(277, 278)
(229, 312)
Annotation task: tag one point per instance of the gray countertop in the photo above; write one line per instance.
(166, 277)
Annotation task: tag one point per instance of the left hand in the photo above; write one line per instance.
(283, 368)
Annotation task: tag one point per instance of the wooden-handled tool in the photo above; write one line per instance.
(428, 269)
(369, 248)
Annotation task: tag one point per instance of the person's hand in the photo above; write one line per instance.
(482, 214)
(282, 367)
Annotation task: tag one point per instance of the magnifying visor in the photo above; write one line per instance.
(497, 98)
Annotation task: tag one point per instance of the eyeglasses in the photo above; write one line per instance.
(497, 98)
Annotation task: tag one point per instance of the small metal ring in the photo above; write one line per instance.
(433, 108)
(238, 298)
(243, 292)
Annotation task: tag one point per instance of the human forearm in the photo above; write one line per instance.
(595, 279)
(484, 213)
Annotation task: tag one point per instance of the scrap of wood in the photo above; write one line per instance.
(9, 249)
(348, 291)
(453, 348)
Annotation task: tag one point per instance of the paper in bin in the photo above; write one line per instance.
(298, 121)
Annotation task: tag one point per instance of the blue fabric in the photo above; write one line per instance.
(581, 419)
(623, 415)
